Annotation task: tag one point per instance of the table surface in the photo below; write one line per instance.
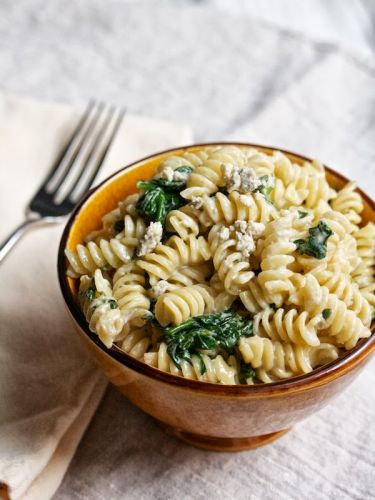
(175, 60)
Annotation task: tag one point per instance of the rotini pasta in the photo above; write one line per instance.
(130, 293)
(183, 303)
(166, 259)
(207, 178)
(349, 203)
(274, 360)
(216, 370)
(107, 253)
(232, 265)
(227, 209)
(233, 270)
(100, 307)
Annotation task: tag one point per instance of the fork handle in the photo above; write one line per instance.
(14, 236)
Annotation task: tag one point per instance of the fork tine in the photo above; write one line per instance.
(90, 124)
(80, 188)
(78, 128)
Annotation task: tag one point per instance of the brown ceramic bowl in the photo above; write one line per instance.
(213, 416)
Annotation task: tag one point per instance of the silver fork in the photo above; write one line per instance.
(73, 172)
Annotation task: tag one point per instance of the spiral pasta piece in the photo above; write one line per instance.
(183, 303)
(207, 178)
(180, 222)
(254, 299)
(133, 232)
(274, 360)
(341, 247)
(227, 209)
(340, 285)
(296, 184)
(287, 326)
(187, 158)
(167, 258)
(136, 342)
(103, 319)
(262, 163)
(127, 206)
(107, 253)
(188, 275)
(277, 258)
(216, 370)
(364, 272)
(130, 294)
(233, 270)
(349, 203)
(342, 325)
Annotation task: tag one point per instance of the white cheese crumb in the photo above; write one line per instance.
(243, 180)
(239, 225)
(224, 233)
(151, 239)
(244, 234)
(161, 287)
(245, 244)
(173, 175)
(255, 229)
(196, 202)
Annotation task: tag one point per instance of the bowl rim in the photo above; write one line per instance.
(319, 376)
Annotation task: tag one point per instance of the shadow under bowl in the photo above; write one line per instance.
(212, 416)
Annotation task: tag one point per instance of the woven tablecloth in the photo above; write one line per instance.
(229, 77)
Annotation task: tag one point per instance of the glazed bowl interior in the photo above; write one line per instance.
(105, 197)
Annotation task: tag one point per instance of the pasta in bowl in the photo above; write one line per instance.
(226, 264)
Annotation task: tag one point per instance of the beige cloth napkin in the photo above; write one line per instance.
(49, 389)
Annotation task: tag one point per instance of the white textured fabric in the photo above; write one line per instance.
(49, 389)
(230, 76)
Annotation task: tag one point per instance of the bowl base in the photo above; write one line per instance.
(217, 443)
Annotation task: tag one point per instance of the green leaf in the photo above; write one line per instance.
(316, 243)
(326, 313)
(206, 332)
(184, 169)
(160, 197)
(267, 185)
(165, 184)
(202, 366)
(119, 225)
(90, 293)
(223, 190)
(246, 372)
(112, 304)
(302, 214)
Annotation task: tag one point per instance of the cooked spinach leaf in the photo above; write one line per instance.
(246, 372)
(206, 332)
(202, 366)
(223, 190)
(326, 313)
(168, 186)
(160, 197)
(119, 225)
(267, 185)
(316, 244)
(104, 300)
(90, 293)
(155, 203)
(112, 303)
(302, 214)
